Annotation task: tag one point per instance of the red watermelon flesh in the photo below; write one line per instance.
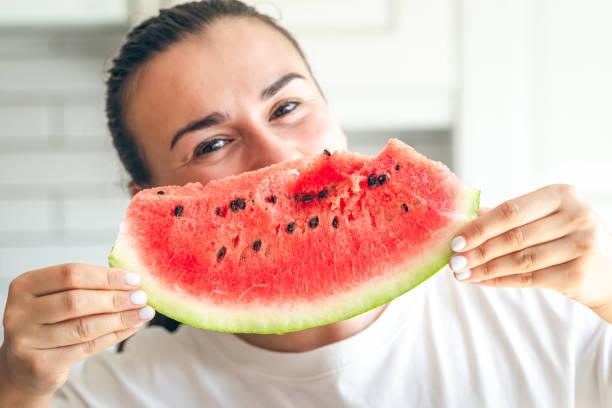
(297, 244)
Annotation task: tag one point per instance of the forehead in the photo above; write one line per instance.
(234, 57)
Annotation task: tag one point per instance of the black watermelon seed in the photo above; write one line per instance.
(178, 211)
(221, 254)
(327, 152)
(372, 180)
(271, 199)
(308, 197)
(290, 227)
(322, 193)
(234, 206)
(241, 203)
(398, 167)
(381, 179)
(335, 222)
(405, 207)
(160, 192)
(297, 197)
(313, 222)
(218, 211)
(256, 245)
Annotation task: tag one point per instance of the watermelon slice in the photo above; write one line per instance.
(294, 245)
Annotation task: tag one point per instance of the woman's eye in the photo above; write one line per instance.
(283, 109)
(210, 146)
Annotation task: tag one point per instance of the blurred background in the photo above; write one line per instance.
(512, 95)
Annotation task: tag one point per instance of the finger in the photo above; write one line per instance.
(537, 232)
(88, 328)
(559, 277)
(506, 216)
(483, 210)
(530, 259)
(70, 304)
(68, 356)
(78, 276)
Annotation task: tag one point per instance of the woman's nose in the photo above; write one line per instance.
(270, 148)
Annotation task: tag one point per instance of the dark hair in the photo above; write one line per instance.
(143, 42)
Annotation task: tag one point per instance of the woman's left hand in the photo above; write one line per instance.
(549, 238)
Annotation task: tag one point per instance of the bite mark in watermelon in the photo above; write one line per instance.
(294, 245)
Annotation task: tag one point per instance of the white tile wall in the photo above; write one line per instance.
(53, 74)
(32, 130)
(97, 213)
(58, 167)
(84, 123)
(33, 257)
(26, 46)
(25, 215)
(61, 186)
(535, 85)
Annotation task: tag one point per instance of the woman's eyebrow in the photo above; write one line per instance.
(210, 120)
(216, 118)
(275, 86)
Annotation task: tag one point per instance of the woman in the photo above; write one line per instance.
(206, 90)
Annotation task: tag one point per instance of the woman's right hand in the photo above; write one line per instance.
(57, 316)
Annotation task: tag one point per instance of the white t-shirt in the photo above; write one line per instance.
(443, 344)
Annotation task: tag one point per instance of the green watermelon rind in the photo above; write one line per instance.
(266, 320)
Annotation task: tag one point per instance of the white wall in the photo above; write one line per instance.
(535, 95)
(61, 188)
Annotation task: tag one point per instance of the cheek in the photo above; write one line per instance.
(201, 174)
(169, 170)
(320, 130)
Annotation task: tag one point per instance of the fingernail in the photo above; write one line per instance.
(146, 312)
(463, 275)
(458, 262)
(138, 297)
(132, 278)
(458, 243)
(137, 325)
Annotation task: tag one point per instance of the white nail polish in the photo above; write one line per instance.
(458, 243)
(458, 262)
(132, 278)
(137, 325)
(146, 312)
(463, 275)
(138, 297)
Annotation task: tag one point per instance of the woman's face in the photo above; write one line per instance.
(236, 98)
